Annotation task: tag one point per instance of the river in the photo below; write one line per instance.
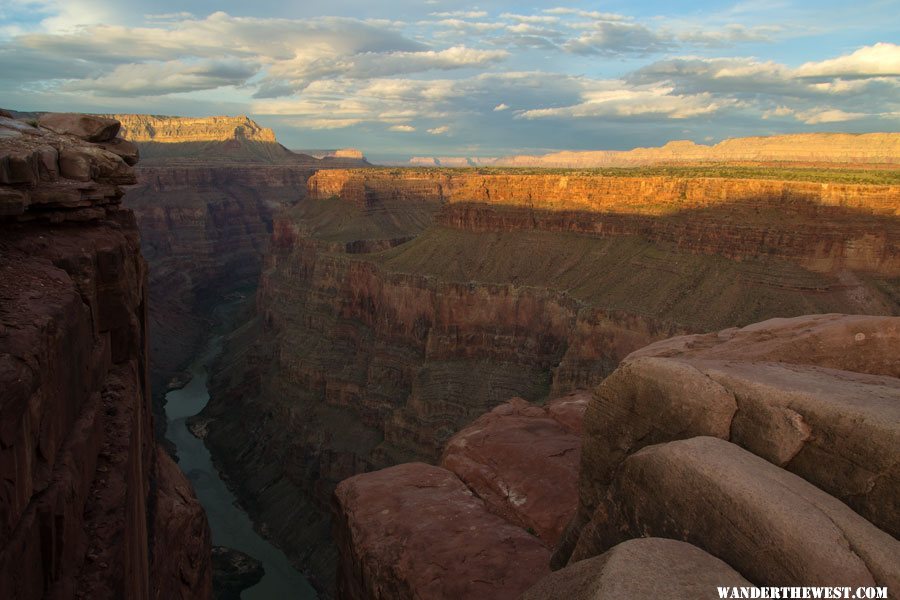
(229, 524)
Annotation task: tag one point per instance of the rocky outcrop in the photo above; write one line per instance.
(641, 568)
(866, 148)
(740, 448)
(176, 130)
(790, 429)
(522, 460)
(82, 481)
(400, 306)
(771, 525)
(233, 572)
(415, 531)
(190, 141)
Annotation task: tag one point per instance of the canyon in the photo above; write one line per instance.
(489, 365)
(396, 306)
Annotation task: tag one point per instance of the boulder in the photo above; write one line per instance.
(233, 572)
(87, 127)
(640, 568)
(523, 462)
(815, 395)
(416, 531)
(772, 526)
(127, 150)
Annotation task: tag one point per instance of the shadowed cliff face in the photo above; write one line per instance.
(396, 306)
(204, 199)
(89, 508)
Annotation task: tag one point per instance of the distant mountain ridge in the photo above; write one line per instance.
(865, 148)
(217, 139)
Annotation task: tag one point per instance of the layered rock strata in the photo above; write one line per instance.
(399, 306)
(822, 148)
(88, 506)
(743, 448)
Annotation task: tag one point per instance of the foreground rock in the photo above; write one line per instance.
(416, 531)
(641, 568)
(233, 572)
(778, 389)
(88, 507)
(522, 460)
(771, 525)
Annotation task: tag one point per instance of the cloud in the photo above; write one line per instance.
(869, 61)
(439, 130)
(171, 77)
(825, 115)
(618, 100)
(461, 14)
(500, 107)
(402, 128)
(610, 38)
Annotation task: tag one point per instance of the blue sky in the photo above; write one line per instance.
(440, 78)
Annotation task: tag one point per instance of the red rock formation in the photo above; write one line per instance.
(81, 478)
(822, 226)
(387, 322)
(522, 460)
(415, 531)
(827, 148)
(814, 396)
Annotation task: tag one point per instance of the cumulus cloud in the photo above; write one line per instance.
(402, 128)
(501, 106)
(869, 61)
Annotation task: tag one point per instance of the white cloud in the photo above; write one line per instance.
(501, 106)
(826, 115)
(439, 130)
(880, 59)
(402, 128)
(156, 79)
(461, 14)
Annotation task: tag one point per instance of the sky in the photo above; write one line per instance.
(409, 78)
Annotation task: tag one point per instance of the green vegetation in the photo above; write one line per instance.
(828, 174)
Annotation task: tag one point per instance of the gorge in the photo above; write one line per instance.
(379, 342)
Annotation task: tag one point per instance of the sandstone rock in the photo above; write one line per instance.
(233, 572)
(640, 568)
(772, 526)
(523, 463)
(416, 531)
(837, 429)
(804, 147)
(87, 127)
(123, 148)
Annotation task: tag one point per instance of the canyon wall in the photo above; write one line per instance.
(809, 148)
(761, 456)
(205, 195)
(397, 306)
(89, 506)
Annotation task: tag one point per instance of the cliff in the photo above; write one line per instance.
(205, 194)
(395, 307)
(758, 456)
(810, 148)
(235, 140)
(89, 508)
